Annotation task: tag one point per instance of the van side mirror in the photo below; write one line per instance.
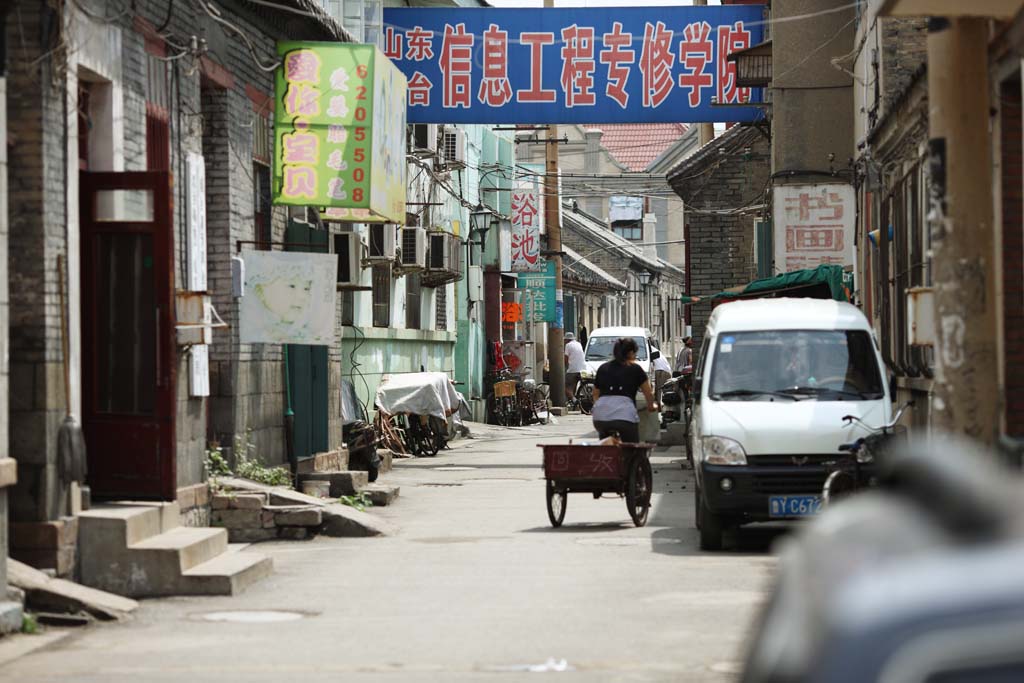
(655, 354)
(893, 386)
(698, 384)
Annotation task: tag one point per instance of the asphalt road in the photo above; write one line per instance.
(475, 586)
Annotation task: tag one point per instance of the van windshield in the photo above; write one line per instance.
(600, 348)
(799, 364)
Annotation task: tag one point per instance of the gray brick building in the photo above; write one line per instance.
(727, 174)
(104, 109)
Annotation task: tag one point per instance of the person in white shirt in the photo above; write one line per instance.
(574, 364)
(662, 373)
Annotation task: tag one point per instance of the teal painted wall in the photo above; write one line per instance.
(378, 351)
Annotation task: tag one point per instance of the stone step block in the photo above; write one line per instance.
(191, 545)
(238, 501)
(331, 461)
(227, 574)
(342, 483)
(386, 460)
(237, 519)
(310, 516)
(380, 494)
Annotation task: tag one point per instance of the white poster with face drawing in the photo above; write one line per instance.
(813, 225)
(289, 298)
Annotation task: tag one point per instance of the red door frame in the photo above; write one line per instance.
(130, 455)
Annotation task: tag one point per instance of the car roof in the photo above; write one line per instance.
(619, 332)
(786, 314)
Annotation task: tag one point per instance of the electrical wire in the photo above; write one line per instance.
(215, 15)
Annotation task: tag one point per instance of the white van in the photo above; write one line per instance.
(774, 379)
(602, 340)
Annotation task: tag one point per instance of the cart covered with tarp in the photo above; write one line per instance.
(418, 393)
(823, 282)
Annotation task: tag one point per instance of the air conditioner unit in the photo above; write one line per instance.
(381, 244)
(414, 249)
(348, 248)
(424, 139)
(455, 148)
(439, 256)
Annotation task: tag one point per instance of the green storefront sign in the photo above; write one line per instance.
(339, 131)
(539, 296)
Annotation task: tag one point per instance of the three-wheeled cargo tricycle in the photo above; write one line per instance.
(623, 469)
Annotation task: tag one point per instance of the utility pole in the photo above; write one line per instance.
(706, 130)
(556, 334)
(967, 392)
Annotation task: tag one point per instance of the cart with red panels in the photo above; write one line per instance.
(624, 470)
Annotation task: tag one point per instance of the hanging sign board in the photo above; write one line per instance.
(339, 131)
(566, 65)
(289, 298)
(539, 295)
(527, 214)
(813, 225)
(196, 222)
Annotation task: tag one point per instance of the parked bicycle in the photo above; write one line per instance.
(583, 398)
(534, 401)
(857, 470)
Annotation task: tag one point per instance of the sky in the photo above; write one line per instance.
(595, 3)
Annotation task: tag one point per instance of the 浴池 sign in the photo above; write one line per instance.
(573, 65)
(339, 131)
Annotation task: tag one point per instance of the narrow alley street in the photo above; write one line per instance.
(475, 586)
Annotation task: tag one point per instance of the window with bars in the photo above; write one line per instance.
(158, 130)
(262, 145)
(262, 205)
(902, 261)
(362, 18)
(382, 295)
(441, 316)
(413, 299)
(630, 230)
(348, 308)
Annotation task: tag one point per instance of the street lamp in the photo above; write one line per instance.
(480, 220)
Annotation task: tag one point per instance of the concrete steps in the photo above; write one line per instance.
(141, 550)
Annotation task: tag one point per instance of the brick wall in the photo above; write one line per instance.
(722, 247)
(246, 380)
(1012, 181)
(37, 236)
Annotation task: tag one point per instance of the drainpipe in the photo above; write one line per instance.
(289, 420)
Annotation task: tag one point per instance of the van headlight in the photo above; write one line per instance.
(719, 450)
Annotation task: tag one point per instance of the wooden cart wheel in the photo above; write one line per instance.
(557, 499)
(638, 491)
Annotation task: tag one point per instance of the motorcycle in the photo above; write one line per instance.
(856, 471)
(914, 581)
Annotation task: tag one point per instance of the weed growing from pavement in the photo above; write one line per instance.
(29, 623)
(246, 465)
(359, 501)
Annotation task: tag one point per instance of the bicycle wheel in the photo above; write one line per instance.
(557, 498)
(638, 490)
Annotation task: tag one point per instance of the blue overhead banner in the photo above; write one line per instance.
(572, 65)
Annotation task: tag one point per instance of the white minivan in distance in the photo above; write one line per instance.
(602, 340)
(773, 382)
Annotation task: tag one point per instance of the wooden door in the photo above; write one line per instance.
(128, 336)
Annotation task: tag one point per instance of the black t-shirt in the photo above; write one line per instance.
(617, 379)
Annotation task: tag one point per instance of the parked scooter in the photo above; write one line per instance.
(915, 581)
(856, 471)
